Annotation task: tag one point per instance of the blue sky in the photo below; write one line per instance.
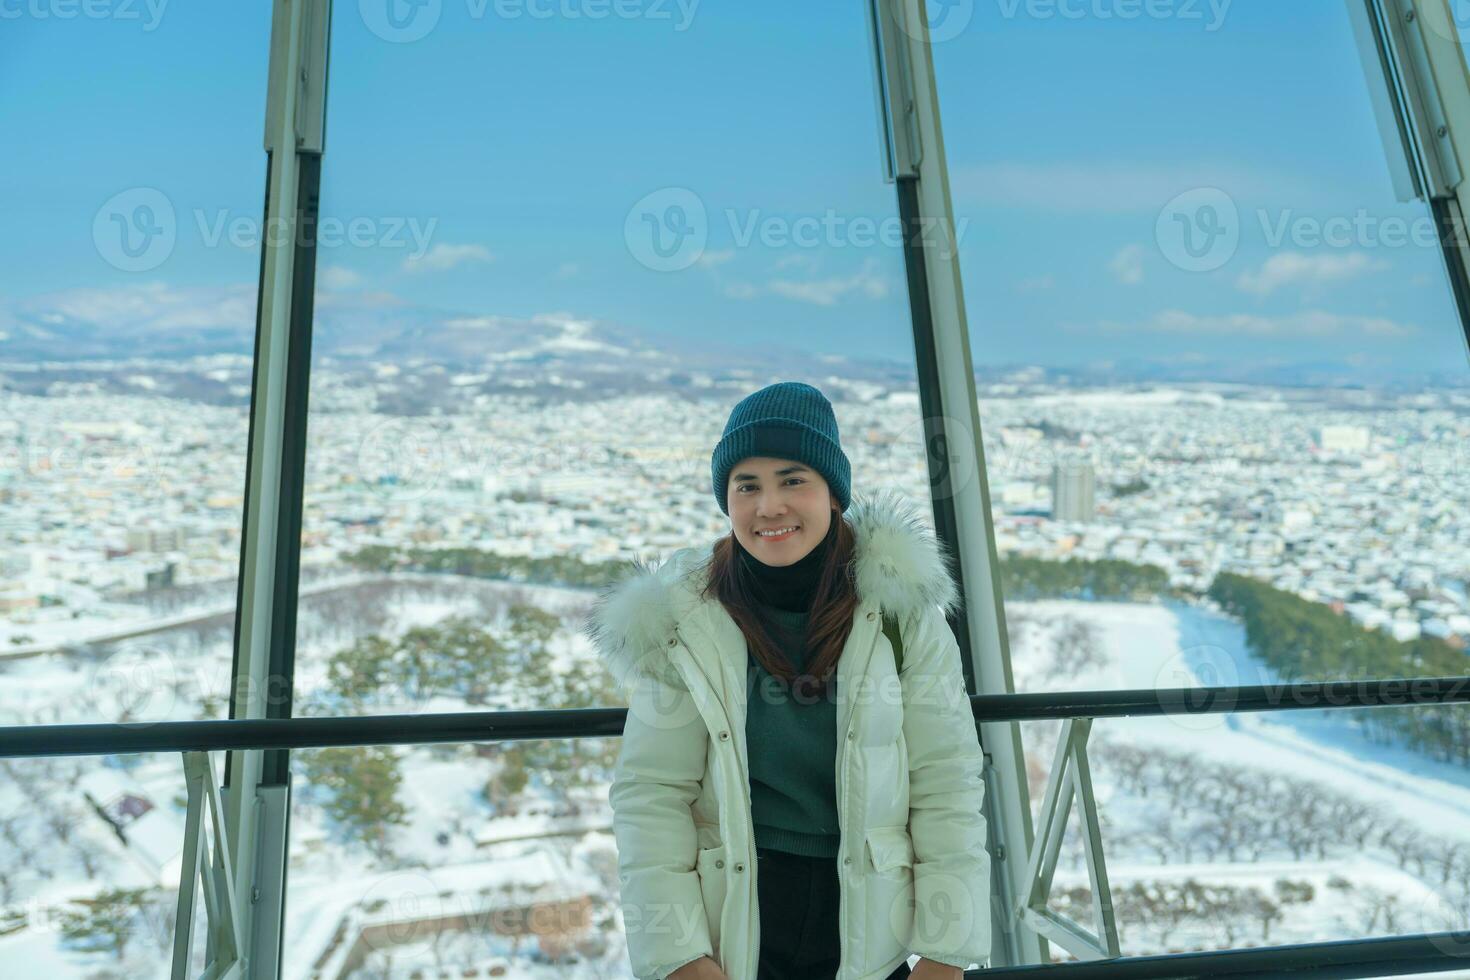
(517, 136)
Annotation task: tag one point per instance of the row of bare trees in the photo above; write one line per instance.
(1172, 807)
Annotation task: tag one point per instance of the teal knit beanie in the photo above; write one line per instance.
(786, 420)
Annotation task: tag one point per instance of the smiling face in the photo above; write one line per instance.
(769, 493)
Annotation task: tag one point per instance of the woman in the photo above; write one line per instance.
(783, 806)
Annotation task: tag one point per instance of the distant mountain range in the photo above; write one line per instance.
(346, 329)
(539, 354)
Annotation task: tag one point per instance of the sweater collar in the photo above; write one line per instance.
(788, 587)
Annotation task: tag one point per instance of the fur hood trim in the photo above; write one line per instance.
(898, 565)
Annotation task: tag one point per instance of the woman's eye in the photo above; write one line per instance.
(790, 479)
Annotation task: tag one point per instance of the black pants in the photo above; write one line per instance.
(799, 905)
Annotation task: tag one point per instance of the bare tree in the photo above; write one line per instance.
(1074, 647)
(1451, 860)
(89, 860)
(62, 819)
(1349, 819)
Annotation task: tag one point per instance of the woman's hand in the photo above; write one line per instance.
(703, 968)
(934, 970)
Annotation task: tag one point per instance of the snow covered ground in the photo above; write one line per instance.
(1159, 645)
(52, 629)
(458, 854)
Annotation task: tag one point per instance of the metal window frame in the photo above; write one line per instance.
(914, 160)
(1426, 92)
(256, 790)
(1419, 86)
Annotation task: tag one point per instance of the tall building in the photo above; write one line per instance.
(157, 538)
(1343, 438)
(1072, 485)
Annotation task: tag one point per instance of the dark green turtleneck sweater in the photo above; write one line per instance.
(792, 739)
(791, 735)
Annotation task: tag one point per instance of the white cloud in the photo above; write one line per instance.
(368, 299)
(826, 292)
(442, 257)
(711, 259)
(1036, 284)
(1299, 268)
(820, 292)
(1308, 323)
(339, 277)
(1127, 265)
(150, 306)
(478, 322)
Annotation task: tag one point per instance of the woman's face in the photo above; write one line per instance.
(769, 493)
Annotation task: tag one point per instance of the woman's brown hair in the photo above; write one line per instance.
(832, 609)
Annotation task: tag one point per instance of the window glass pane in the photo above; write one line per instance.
(127, 306)
(90, 850)
(484, 860)
(1292, 415)
(130, 192)
(1224, 394)
(1210, 847)
(514, 394)
(625, 224)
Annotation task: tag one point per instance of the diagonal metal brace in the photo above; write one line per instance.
(223, 945)
(1071, 776)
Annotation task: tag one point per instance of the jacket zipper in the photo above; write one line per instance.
(841, 805)
(744, 778)
(841, 832)
(695, 662)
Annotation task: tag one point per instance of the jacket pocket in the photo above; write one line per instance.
(890, 848)
(710, 864)
(888, 895)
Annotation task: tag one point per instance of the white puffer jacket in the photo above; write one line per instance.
(913, 866)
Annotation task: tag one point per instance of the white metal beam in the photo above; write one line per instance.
(913, 147)
(294, 129)
(1414, 61)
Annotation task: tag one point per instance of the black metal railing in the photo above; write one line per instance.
(1432, 952)
(32, 741)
